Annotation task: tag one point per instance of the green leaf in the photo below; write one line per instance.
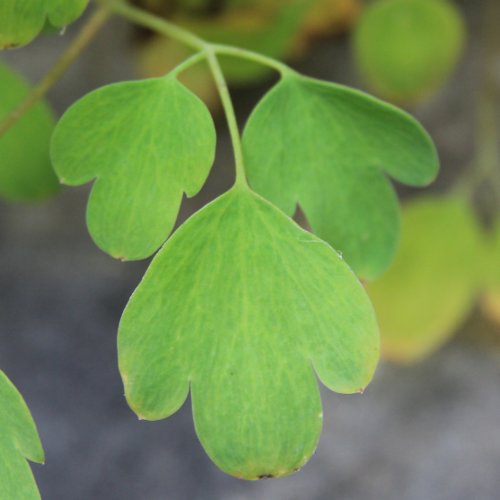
(241, 305)
(431, 286)
(22, 20)
(63, 12)
(19, 442)
(146, 142)
(25, 170)
(406, 49)
(326, 147)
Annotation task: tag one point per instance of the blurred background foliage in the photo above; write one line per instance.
(434, 280)
(406, 49)
(25, 172)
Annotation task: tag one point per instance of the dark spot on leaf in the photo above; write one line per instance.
(266, 476)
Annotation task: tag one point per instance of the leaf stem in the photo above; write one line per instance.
(209, 51)
(155, 23)
(487, 140)
(83, 38)
(232, 123)
(484, 173)
(229, 50)
(190, 61)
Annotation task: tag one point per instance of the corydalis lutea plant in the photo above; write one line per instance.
(241, 306)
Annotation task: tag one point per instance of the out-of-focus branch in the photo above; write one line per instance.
(82, 39)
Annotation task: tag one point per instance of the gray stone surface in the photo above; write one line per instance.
(428, 432)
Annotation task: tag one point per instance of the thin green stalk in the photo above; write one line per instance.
(207, 50)
(229, 50)
(190, 61)
(484, 172)
(232, 123)
(83, 38)
(143, 18)
(487, 142)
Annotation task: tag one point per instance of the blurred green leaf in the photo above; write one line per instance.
(239, 305)
(22, 20)
(406, 49)
(19, 442)
(145, 143)
(25, 170)
(327, 148)
(63, 12)
(432, 284)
